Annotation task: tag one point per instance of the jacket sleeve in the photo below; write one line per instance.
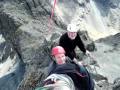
(81, 44)
(61, 41)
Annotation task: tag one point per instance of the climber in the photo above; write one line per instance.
(64, 65)
(70, 40)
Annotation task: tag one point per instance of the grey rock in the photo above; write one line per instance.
(12, 79)
(116, 85)
(89, 44)
(23, 24)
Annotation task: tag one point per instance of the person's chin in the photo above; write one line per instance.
(72, 38)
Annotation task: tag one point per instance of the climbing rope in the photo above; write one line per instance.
(51, 16)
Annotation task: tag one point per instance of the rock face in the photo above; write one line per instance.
(13, 78)
(29, 35)
(116, 85)
(109, 10)
(12, 68)
(28, 38)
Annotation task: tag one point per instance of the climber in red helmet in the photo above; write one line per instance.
(58, 52)
(64, 65)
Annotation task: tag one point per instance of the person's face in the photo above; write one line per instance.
(72, 35)
(60, 58)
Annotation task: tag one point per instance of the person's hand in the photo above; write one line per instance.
(78, 62)
(75, 60)
(54, 79)
(82, 63)
(88, 53)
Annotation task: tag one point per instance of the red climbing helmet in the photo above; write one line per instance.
(58, 50)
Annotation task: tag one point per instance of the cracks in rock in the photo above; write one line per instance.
(1, 25)
(31, 9)
(47, 12)
(34, 3)
(28, 7)
(9, 35)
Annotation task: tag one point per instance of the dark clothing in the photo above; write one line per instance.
(79, 74)
(69, 45)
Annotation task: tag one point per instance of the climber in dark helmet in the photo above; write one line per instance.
(64, 65)
(70, 40)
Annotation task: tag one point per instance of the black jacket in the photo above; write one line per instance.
(80, 78)
(69, 45)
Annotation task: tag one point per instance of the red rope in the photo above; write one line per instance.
(53, 9)
(51, 16)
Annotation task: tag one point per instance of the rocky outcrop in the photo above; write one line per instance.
(12, 68)
(13, 77)
(110, 11)
(116, 85)
(28, 38)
